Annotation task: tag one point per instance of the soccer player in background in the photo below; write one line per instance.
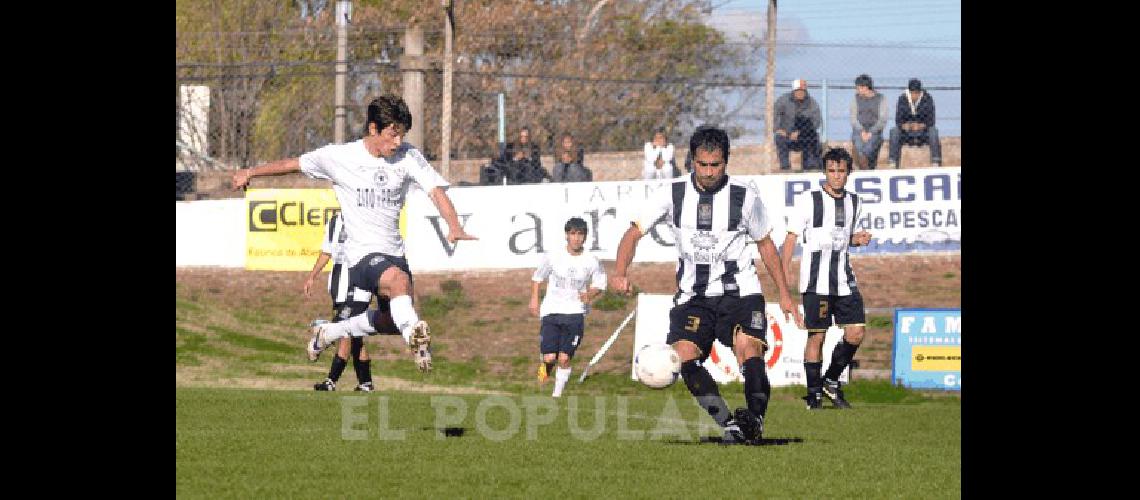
(714, 220)
(371, 178)
(575, 280)
(347, 301)
(823, 221)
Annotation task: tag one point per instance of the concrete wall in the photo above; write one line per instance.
(617, 166)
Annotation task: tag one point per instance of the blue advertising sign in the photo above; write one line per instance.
(928, 349)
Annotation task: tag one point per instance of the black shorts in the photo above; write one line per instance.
(561, 333)
(384, 325)
(365, 274)
(819, 310)
(702, 320)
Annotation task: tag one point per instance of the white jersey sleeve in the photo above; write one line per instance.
(800, 215)
(659, 204)
(543, 269)
(598, 276)
(318, 164)
(424, 176)
(756, 218)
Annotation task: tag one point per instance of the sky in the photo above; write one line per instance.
(836, 40)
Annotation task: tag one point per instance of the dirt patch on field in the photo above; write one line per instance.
(491, 324)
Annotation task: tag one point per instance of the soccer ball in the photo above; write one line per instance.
(657, 365)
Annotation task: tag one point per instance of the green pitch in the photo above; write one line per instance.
(649, 444)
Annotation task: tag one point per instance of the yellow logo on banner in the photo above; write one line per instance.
(935, 358)
(285, 227)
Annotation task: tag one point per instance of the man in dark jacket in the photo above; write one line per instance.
(568, 161)
(914, 120)
(797, 117)
(521, 160)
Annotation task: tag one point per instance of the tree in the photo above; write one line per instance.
(609, 71)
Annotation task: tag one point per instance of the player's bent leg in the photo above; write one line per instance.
(813, 368)
(324, 334)
(757, 388)
(362, 365)
(396, 283)
(841, 358)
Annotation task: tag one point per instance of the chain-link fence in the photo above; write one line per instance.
(607, 72)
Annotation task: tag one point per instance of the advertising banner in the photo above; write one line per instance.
(928, 348)
(284, 227)
(910, 210)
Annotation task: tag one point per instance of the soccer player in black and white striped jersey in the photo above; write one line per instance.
(347, 301)
(823, 221)
(714, 220)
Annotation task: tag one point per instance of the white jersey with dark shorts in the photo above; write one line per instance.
(718, 290)
(371, 192)
(824, 225)
(562, 310)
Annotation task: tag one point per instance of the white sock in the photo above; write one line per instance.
(359, 325)
(561, 375)
(403, 315)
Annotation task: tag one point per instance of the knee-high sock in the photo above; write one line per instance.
(361, 324)
(702, 386)
(404, 315)
(840, 357)
(757, 389)
(337, 368)
(363, 368)
(814, 379)
(560, 377)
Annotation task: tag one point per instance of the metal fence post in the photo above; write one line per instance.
(825, 138)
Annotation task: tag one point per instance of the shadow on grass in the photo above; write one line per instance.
(719, 440)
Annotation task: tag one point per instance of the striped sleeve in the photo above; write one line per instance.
(756, 219)
(331, 230)
(659, 204)
(798, 217)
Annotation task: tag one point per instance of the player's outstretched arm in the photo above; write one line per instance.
(626, 250)
(786, 254)
(775, 268)
(446, 209)
(242, 177)
(322, 259)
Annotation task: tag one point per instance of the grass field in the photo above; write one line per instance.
(249, 425)
(243, 443)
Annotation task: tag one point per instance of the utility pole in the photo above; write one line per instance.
(343, 12)
(445, 120)
(770, 77)
(413, 65)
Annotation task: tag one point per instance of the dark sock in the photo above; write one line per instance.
(550, 368)
(840, 358)
(338, 364)
(757, 389)
(814, 380)
(702, 386)
(363, 367)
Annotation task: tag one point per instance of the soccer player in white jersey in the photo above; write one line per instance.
(347, 301)
(823, 221)
(371, 178)
(714, 219)
(575, 280)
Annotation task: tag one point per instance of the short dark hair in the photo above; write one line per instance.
(865, 80)
(709, 138)
(386, 110)
(914, 84)
(837, 155)
(576, 223)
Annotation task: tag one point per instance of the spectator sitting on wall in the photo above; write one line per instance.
(914, 120)
(569, 162)
(659, 162)
(522, 160)
(796, 118)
